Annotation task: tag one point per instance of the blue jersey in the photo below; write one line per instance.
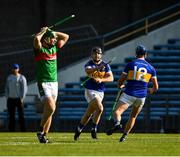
(139, 73)
(91, 84)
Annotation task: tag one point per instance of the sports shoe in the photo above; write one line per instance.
(42, 138)
(77, 133)
(113, 129)
(94, 134)
(123, 138)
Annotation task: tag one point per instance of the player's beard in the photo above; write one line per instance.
(97, 60)
(49, 43)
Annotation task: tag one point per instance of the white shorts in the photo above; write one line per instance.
(131, 100)
(48, 89)
(91, 94)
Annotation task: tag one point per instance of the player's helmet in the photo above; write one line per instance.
(141, 50)
(96, 50)
(47, 38)
(49, 34)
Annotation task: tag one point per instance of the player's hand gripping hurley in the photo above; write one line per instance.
(59, 22)
(115, 102)
(98, 68)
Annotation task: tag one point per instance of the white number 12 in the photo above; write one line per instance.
(139, 73)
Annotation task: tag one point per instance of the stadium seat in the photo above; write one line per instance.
(73, 84)
(164, 52)
(71, 97)
(167, 66)
(167, 46)
(159, 59)
(165, 58)
(173, 41)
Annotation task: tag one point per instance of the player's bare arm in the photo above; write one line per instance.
(122, 80)
(61, 37)
(37, 39)
(155, 85)
(91, 71)
(108, 77)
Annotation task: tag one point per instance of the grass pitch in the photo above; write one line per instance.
(17, 144)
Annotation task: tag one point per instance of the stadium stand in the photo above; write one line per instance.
(164, 103)
(160, 109)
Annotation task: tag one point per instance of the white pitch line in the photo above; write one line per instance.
(65, 137)
(21, 137)
(16, 143)
(33, 143)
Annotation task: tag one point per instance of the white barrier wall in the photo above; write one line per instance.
(159, 36)
(75, 71)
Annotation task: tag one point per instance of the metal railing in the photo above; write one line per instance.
(142, 26)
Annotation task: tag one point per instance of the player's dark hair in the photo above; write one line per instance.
(96, 49)
(48, 34)
(141, 50)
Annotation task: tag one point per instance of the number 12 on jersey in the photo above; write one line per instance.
(139, 74)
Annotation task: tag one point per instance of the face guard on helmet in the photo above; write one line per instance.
(96, 54)
(49, 38)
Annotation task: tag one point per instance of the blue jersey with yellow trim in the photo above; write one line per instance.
(91, 84)
(139, 73)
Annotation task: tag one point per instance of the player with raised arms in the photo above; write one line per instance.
(137, 73)
(46, 45)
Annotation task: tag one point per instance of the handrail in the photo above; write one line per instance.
(123, 28)
(163, 19)
(164, 10)
(145, 27)
(124, 36)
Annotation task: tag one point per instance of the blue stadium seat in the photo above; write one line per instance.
(166, 66)
(173, 41)
(71, 90)
(169, 90)
(159, 59)
(164, 52)
(71, 113)
(165, 58)
(71, 97)
(165, 97)
(167, 46)
(72, 103)
(117, 65)
(117, 71)
(73, 84)
(164, 103)
(168, 84)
